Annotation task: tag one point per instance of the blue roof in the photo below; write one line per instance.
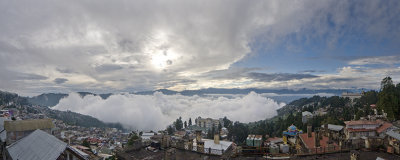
(292, 128)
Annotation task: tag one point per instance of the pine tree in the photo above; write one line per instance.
(190, 121)
(389, 99)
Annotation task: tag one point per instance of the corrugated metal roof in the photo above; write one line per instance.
(394, 134)
(28, 125)
(333, 127)
(37, 145)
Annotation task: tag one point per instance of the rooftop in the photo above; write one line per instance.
(27, 125)
(310, 143)
(37, 145)
(384, 127)
(362, 122)
(394, 134)
(334, 127)
(209, 143)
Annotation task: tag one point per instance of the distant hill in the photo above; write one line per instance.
(47, 99)
(52, 99)
(11, 100)
(248, 90)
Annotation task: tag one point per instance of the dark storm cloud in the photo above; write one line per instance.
(60, 80)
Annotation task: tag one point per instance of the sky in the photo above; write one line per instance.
(128, 46)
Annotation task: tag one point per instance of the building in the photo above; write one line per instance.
(333, 130)
(306, 115)
(208, 123)
(351, 96)
(43, 146)
(147, 135)
(18, 129)
(209, 146)
(254, 140)
(316, 142)
(366, 128)
(291, 134)
(393, 138)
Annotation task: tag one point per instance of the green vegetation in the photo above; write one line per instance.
(388, 100)
(133, 138)
(338, 110)
(86, 143)
(178, 124)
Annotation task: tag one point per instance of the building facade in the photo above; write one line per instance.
(208, 123)
(365, 128)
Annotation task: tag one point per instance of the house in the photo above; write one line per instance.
(365, 128)
(306, 115)
(41, 145)
(18, 129)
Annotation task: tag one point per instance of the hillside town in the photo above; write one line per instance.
(35, 136)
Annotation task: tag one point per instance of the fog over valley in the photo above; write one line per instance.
(157, 111)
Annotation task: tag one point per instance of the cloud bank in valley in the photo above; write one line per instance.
(153, 112)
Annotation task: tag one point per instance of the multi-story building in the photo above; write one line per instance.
(365, 128)
(208, 123)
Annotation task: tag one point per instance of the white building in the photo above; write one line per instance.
(147, 135)
(306, 115)
(351, 96)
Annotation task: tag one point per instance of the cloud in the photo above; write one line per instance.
(388, 60)
(154, 112)
(146, 45)
(107, 68)
(29, 76)
(60, 80)
(279, 76)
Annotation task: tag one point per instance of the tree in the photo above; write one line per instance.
(86, 143)
(227, 122)
(389, 99)
(185, 124)
(133, 138)
(238, 132)
(170, 130)
(386, 82)
(178, 124)
(190, 121)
